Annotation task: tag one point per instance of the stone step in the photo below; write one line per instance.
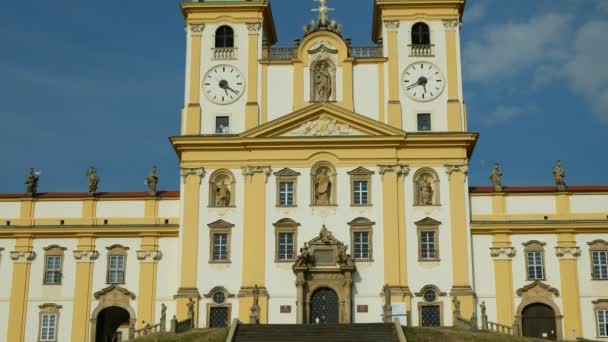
(377, 332)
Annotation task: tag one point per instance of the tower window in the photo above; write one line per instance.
(224, 37)
(222, 124)
(421, 34)
(424, 122)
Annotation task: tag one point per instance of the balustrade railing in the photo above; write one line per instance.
(225, 53)
(282, 53)
(150, 329)
(422, 50)
(354, 51)
(366, 51)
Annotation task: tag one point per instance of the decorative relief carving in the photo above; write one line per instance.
(567, 252)
(196, 29)
(398, 169)
(538, 289)
(324, 125)
(451, 25)
(86, 256)
(457, 168)
(254, 27)
(391, 25)
(502, 252)
(23, 256)
(149, 256)
(185, 172)
(251, 170)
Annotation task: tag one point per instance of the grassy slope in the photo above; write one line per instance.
(206, 335)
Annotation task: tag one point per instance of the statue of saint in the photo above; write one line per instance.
(222, 197)
(496, 178)
(191, 305)
(93, 179)
(304, 258)
(559, 174)
(152, 181)
(344, 258)
(254, 317)
(31, 182)
(323, 188)
(425, 190)
(323, 82)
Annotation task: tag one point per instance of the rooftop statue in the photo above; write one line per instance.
(559, 174)
(152, 181)
(93, 180)
(496, 178)
(31, 182)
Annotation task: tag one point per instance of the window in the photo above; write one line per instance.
(599, 259)
(424, 122)
(53, 263)
(286, 246)
(428, 239)
(601, 316)
(286, 232)
(49, 321)
(117, 259)
(286, 193)
(361, 239)
(222, 124)
(224, 37)
(361, 180)
(220, 234)
(287, 184)
(421, 34)
(430, 308)
(218, 308)
(535, 264)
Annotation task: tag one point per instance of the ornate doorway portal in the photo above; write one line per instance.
(324, 280)
(539, 321)
(324, 307)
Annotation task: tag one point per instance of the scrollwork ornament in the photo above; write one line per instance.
(567, 252)
(450, 169)
(185, 172)
(398, 169)
(196, 29)
(149, 256)
(251, 170)
(451, 25)
(502, 252)
(254, 27)
(86, 256)
(391, 25)
(22, 257)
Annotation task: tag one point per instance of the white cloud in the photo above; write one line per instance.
(503, 114)
(506, 50)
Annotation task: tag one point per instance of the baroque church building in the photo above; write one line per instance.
(321, 182)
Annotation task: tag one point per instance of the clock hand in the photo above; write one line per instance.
(232, 90)
(413, 85)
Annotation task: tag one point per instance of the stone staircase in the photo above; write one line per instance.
(376, 332)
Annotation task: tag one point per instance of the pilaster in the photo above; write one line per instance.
(461, 286)
(455, 120)
(26, 215)
(254, 224)
(191, 179)
(192, 110)
(22, 257)
(148, 257)
(252, 110)
(502, 253)
(567, 252)
(85, 256)
(394, 104)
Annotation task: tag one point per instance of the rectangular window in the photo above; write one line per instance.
(222, 124)
(48, 327)
(600, 264)
(535, 266)
(220, 247)
(430, 316)
(602, 321)
(360, 189)
(427, 245)
(116, 269)
(286, 193)
(286, 246)
(361, 245)
(52, 274)
(424, 122)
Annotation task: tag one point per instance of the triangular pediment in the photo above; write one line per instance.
(427, 221)
(322, 120)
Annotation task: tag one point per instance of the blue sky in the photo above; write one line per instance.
(100, 83)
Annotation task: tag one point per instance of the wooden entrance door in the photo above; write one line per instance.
(538, 321)
(324, 307)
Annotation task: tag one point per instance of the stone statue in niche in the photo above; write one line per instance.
(93, 179)
(222, 194)
(496, 178)
(425, 190)
(323, 82)
(323, 187)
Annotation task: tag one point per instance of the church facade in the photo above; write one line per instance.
(320, 183)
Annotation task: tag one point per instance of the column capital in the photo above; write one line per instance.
(253, 28)
(391, 25)
(196, 29)
(567, 252)
(250, 170)
(456, 168)
(502, 253)
(23, 257)
(86, 256)
(451, 25)
(185, 172)
(149, 256)
(398, 169)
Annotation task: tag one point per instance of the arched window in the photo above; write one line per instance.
(224, 37)
(421, 34)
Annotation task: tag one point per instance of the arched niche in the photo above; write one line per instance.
(323, 80)
(323, 184)
(426, 187)
(222, 186)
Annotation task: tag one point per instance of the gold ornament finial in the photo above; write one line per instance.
(323, 9)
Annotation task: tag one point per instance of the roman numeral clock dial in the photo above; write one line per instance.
(223, 84)
(422, 81)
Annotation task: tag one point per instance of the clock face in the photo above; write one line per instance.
(422, 81)
(223, 84)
